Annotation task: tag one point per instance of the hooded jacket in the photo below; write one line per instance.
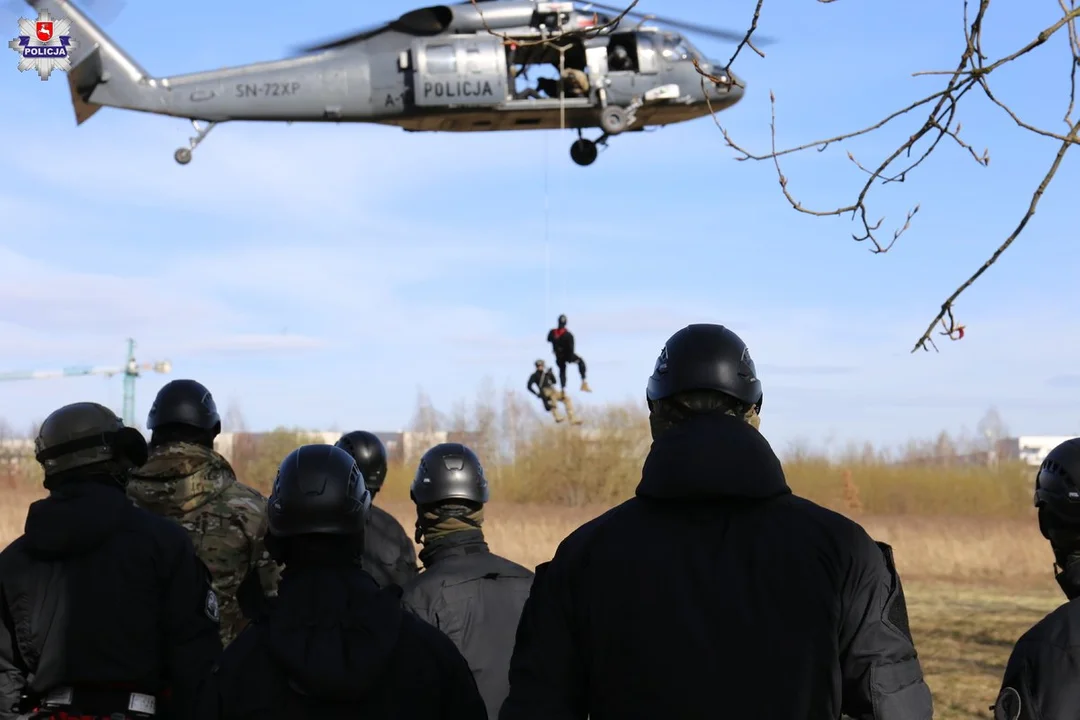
(716, 592)
(196, 487)
(334, 645)
(475, 597)
(103, 597)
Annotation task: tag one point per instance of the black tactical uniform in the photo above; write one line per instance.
(562, 345)
(468, 592)
(715, 592)
(105, 607)
(1041, 681)
(389, 554)
(332, 644)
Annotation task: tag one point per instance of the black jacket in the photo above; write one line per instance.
(562, 343)
(389, 554)
(106, 598)
(541, 379)
(475, 597)
(716, 592)
(335, 645)
(1042, 670)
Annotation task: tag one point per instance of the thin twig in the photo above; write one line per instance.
(945, 315)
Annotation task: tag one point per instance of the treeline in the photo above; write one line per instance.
(531, 460)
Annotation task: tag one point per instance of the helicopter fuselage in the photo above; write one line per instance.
(455, 83)
(436, 69)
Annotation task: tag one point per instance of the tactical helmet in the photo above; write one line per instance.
(1057, 485)
(705, 357)
(185, 402)
(449, 471)
(539, 364)
(318, 490)
(83, 434)
(370, 455)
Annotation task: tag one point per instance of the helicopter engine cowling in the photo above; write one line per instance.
(469, 18)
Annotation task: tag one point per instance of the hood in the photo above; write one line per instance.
(712, 456)
(178, 478)
(74, 520)
(334, 630)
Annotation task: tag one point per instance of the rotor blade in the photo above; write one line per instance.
(423, 22)
(346, 39)
(716, 33)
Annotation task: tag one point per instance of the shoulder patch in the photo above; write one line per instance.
(1007, 706)
(211, 608)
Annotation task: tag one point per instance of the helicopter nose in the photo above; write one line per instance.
(727, 89)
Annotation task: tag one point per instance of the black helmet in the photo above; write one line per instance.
(370, 455)
(185, 402)
(449, 471)
(318, 490)
(562, 321)
(705, 357)
(1057, 486)
(86, 434)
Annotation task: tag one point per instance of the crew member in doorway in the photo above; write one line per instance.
(619, 59)
(562, 344)
(544, 380)
(574, 84)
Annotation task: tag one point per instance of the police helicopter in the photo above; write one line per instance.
(445, 68)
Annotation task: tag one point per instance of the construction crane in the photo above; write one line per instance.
(130, 370)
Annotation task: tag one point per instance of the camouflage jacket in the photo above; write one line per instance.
(196, 487)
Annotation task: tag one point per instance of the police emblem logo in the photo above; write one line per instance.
(212, 610)
(1007, 706)
(44, 44)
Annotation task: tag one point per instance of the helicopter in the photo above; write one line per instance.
(444, 68)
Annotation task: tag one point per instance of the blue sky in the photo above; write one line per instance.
(319, 276)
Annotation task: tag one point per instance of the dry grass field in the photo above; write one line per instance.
(976, 571)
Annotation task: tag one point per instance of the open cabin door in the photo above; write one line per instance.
(459, 71)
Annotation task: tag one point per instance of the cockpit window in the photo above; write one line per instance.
(674, 49)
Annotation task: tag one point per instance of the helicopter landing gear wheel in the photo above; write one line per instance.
(584, 152)
(183, 155)
(614, 120)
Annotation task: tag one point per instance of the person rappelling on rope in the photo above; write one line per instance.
(550, 395)
(562, 344)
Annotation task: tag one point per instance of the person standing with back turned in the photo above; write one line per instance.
(389, 554)
(187, 481)
(715, 592)
(1040, 680)
(333, 644)
(105, 609)
(467, 591)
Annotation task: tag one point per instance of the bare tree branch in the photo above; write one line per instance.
(971, 72)
(949, 327)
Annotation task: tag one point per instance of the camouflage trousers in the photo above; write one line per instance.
(552, 397)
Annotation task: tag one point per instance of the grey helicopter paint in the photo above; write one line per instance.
(436, 69)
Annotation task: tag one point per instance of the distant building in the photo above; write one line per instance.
(1029, 449)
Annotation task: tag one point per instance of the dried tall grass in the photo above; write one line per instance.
(945, 520)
